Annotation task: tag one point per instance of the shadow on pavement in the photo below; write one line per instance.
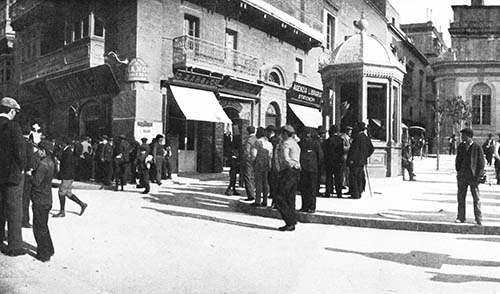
(481, 239)
(420, 258)
(210, 218)
(192, 199)
(452, 278)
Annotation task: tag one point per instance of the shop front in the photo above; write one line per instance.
(304, 106)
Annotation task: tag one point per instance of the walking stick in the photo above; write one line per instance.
(368, 180)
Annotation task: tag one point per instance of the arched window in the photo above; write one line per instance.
(274, 78)
(481, 104)
(273, 116)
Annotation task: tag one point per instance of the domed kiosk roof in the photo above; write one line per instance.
(363, 48)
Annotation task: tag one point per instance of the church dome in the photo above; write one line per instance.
(363, 48)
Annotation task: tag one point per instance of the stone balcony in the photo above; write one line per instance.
(194, 52)
(85, 53)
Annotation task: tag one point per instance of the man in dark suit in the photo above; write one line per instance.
(311, 158)
(360, 150)
(12, 165)
(333, 149)
(32, 161)
(469, 165)
(122, 162)
(67, 175)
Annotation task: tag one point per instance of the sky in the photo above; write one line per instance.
(414, 11)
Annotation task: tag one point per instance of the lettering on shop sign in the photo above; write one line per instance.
(192, 77)
(303, 93)
(144, 124)
(137, 71)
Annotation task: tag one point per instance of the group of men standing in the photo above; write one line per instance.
(275, 163)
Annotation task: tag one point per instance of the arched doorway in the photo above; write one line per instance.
(273, 115)
(92, 121)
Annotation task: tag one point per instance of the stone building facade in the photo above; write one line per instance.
(7, 35)
(471, 69)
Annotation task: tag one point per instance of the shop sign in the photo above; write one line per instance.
(137, 71)
(197, 78)
(306, 94)
(145, 124)
(241, 85)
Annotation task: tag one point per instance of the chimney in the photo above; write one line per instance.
(477, 2)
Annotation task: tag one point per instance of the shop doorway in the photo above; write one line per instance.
(92, 120)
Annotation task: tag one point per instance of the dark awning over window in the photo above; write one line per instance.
(89, 82)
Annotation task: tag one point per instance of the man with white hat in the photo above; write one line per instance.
(12, 161)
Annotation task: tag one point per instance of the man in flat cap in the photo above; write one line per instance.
(12, 163)
(469, 165)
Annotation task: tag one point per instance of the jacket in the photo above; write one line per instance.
(67, 166)
(333, 149)
(311, 154)
(12, 152)
(41, 191)
(361, 149)
(249, 148)
(477, 159)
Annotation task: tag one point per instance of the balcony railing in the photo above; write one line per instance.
(87, 52)
(190, 51)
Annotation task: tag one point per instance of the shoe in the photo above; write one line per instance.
(145, 192)
(412, 180)
(255, 204)
(159, 183)
(84, 206)
(479, 223)
(139, 186)
(27, 226)
(287, 228)
(42, 258)
(14, 252)
(60, 214)
(459, 221)
(249, 199)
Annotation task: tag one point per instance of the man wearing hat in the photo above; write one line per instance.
(357, 158)
(12, 163)
(469, 165)
(333, 148)
(122, 162)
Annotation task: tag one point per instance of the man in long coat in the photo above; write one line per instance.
(360, 150)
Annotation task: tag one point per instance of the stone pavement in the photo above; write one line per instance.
(427, 204)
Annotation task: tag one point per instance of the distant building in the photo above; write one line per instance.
(471, 68)
(8, 85)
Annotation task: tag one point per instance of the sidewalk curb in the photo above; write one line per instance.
(320, 218)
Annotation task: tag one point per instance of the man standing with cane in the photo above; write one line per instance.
(360, 150)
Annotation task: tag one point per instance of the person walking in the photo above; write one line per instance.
(42, 200)
(361, 149)
(488, 146)
(407, 161)
(12, 163)
(333, 149)
(158, 152)
(289, 174)
(234, 169)
(167, 166)
(261, 167)
(67, 175)
(143, 164)
(311, 157)
(469, 164)
(249, 154)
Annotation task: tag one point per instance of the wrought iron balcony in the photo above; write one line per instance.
(195, 52)
(87, 52)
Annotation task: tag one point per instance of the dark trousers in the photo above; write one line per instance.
(261, 186)
(308, 189)
(407, 165)
(44, 247)
(463, 182)
(249, 179)
(285, 199)
(99, 171)
(497, 170)
(144, 179)
(273, 179)
(122, 172)
(334, 175)
(26, 199)
(166, 169)
(107, 169)
(357, 181)
(11, 211)
(156, 170)
(85, 171)
(233, 172)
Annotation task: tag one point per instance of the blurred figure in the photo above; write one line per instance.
(261, 167)
(42, 200)
(143, 164)
(496, 158)
(407, 161)
(166, 173)
(234, 165)
(86, 159)
(347, 138)
(67, 175)
(122, 162)
(311, 157)
(32, 161)
(452, 141)
(274, 139)
(158, 152)
(488, 146)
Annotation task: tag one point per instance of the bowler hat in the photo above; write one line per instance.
(10, 103)
(468, 132)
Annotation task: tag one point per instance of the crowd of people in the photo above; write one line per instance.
(275, 163)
